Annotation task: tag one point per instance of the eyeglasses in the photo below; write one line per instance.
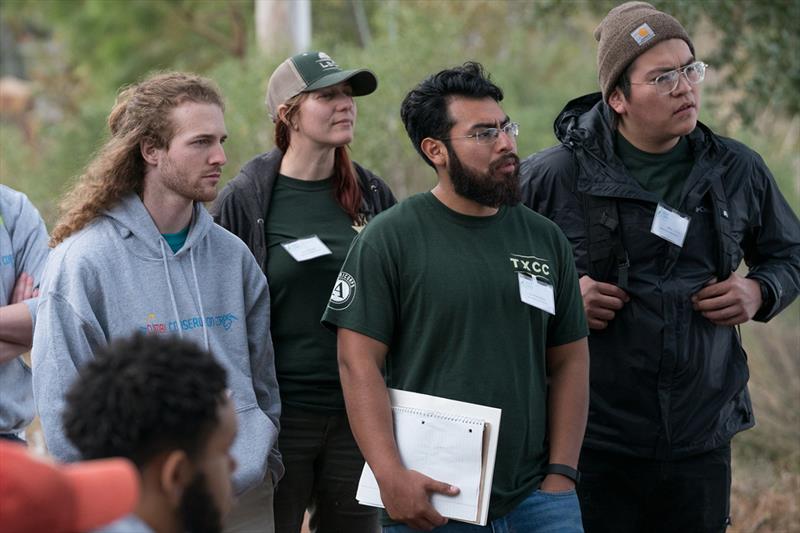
(666, 83)
(490, 135)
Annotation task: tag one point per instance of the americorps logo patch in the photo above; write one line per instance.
(344, 290)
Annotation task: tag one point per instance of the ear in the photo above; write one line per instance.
(149, 152)
(435, 150)
(175, 475)
(282, 109)
(617, 101)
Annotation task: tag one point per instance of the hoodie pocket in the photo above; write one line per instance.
(256, 437)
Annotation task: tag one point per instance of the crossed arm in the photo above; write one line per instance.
(16, 324)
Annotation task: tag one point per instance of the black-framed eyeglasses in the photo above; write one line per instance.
(490, 135)
(666, 83)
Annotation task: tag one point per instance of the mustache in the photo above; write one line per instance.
(504, 160)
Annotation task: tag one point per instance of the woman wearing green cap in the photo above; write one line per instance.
(298, 207)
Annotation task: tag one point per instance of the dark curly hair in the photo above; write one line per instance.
(142, 396)
(425, 109)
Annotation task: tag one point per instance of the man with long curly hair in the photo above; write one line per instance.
(135, 250)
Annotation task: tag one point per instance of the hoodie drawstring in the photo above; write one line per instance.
(171, 292)
(199, 299)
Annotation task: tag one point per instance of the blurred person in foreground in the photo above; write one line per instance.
(162, 403)
(434, 295)
(136, 250)
(38, 496)
(23, 253)
(298, 208)
(660, 212)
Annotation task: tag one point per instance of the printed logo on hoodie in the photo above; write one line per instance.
(153, 325)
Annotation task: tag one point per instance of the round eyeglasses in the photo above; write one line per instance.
(490, 135)
(666, 83)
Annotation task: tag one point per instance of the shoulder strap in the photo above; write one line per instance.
(603, 233)
(722, 223)
(604, 239)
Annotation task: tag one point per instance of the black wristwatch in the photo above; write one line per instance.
(564, 470)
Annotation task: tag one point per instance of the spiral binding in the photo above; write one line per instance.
(441, 416)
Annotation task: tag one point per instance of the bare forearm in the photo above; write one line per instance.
(369, 411)
(9, 350)
(16, 325)
(568, 401)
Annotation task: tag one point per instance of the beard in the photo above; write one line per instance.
(199, 512)
(179, 181)
(489, 188)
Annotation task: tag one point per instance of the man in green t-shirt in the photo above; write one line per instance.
(463, 293)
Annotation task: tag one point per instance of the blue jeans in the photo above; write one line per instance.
(541, 512)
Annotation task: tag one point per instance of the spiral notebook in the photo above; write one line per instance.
(447, 440)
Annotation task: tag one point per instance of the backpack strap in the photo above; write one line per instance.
(604, 239)
(725, 241)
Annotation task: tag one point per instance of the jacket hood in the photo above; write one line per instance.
(131, 220)
(587, 121)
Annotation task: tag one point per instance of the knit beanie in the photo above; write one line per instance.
(629, 30)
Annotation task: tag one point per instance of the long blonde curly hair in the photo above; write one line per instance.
(142, 112)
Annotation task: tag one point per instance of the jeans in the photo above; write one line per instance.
(323, 466)
(541, 512)
(623, 494)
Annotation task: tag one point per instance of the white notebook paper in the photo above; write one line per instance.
(450, 441)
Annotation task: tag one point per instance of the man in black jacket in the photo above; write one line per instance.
(660, 212)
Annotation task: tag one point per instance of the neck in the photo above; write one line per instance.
(154, 511)
(304, 162)
(645, 143)
(445, 193)
(171, 212)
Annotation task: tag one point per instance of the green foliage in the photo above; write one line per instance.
(542, 54)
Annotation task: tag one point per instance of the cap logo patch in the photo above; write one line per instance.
(642, 34)
(325, 62)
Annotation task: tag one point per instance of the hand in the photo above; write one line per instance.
(601, 301)
(23, 289)
(406, 496)
(556, 483)
(730, 302)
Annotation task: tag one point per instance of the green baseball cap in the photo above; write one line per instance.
(310, 71)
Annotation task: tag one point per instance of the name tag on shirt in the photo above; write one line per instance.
(670, 225)
(306, 248)
(536, 293)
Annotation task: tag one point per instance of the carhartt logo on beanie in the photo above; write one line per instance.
(628, 31)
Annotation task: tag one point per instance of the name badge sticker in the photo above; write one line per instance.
(536, 293)
(306, 248)
(670, 224)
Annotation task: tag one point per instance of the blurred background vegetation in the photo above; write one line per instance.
(62, 62)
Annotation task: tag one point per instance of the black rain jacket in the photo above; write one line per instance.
(665, 382)
(243, 204)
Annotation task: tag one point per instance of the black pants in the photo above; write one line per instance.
(323, 465)
(623, 494)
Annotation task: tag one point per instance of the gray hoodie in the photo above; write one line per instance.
(117, 276)
(23, 248)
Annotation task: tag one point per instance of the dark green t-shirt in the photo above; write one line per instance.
(305, 352)
(441, 290)
(662, 174)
